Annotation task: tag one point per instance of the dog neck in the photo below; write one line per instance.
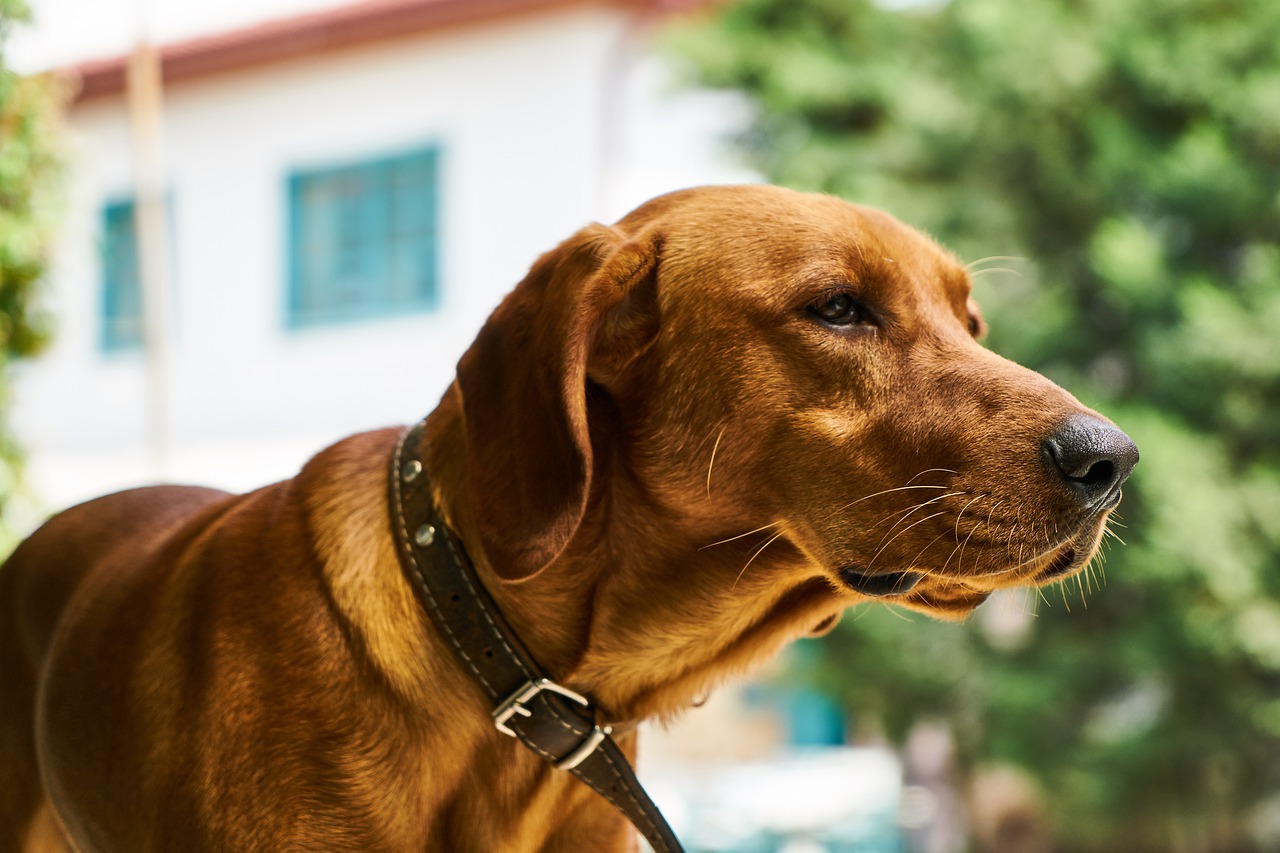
(740, 605)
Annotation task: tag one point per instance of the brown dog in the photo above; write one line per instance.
(680, 443)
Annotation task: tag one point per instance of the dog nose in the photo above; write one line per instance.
(1093, 457)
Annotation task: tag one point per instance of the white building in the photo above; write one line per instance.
(349, 192)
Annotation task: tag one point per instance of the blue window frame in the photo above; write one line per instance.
(121, 284)
(363, 240)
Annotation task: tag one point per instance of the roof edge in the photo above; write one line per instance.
(324, 31)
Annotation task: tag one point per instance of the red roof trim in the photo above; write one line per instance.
(320, 32)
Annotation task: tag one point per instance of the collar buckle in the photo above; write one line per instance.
(517, 703)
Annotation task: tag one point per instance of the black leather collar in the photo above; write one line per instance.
(557, 723)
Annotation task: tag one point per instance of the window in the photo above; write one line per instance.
(121, 285)
(363, 240)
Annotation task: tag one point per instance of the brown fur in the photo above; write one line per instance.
(659, 460)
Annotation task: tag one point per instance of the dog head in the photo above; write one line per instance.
(752, 357)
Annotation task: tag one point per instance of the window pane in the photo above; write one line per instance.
(364, 240)
(121, 289)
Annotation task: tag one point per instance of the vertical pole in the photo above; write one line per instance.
(614, 108)
(151, 223)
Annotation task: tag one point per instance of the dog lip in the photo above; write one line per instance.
(1062, 564)
(1111, 500)
(880, 584)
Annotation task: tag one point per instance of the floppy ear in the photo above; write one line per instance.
(524, 386)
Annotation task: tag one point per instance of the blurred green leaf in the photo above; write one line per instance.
(30, 117)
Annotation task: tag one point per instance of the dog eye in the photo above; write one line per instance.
(977, 326)
(839, 309)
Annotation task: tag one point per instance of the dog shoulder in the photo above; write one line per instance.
(344, 495)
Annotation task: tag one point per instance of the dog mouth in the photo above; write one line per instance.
(1061, 563)
(1056, 563)
(879, 584)
(1110, 500)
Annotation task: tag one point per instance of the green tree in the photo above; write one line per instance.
(30, 108)
(1129, 151)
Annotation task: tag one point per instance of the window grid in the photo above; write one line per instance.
(121, 315)
(363, 240)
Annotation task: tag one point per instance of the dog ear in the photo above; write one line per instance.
(524, 391)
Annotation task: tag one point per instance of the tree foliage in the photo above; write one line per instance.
(1128, 151)
(29, 113)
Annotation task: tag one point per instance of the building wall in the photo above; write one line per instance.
(519, 110)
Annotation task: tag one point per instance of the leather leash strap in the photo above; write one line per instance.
(555, 722)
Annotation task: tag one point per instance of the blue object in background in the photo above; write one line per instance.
(121, 314)
(363, 239)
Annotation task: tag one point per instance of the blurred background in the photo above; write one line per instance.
(231, 232)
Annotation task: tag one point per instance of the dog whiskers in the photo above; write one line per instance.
(876, 495)
(758, 552)
(905, 515)
(899, 533)
(930, 471)
(712, 463)
(1108, 532)
(960, 545)
(1031, 601)
(905, 617)
(915, 561)
(1011, 270)
(741, 535)
(969, 266)
(909, 485)
(989, 525)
